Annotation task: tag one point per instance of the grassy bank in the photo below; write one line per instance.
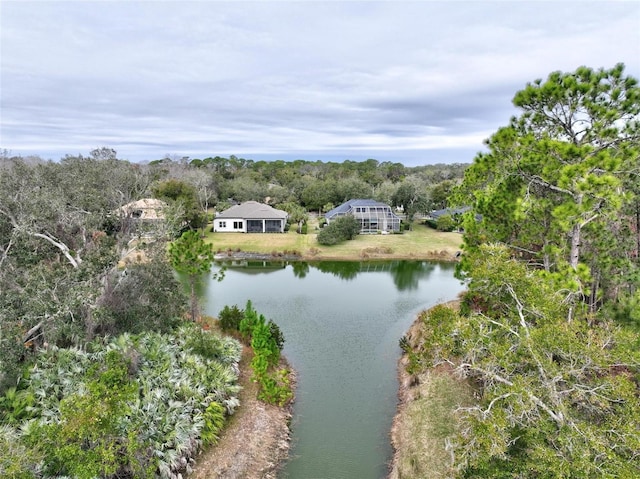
(424, 425)
(421, 243)
(426, 419)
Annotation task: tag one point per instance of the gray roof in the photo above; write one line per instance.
(344, 208)
(251, 210)
(449, 211)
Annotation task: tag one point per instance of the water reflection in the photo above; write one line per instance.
(300, 269)
(406, 274)
(253, 266)
(346, 270)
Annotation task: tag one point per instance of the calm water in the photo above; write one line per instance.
(341, 322)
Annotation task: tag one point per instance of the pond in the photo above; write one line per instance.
(341, 322)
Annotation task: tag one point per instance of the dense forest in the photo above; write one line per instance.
(547, 335)
(96, 334)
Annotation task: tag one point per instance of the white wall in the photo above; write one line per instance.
(225, 225)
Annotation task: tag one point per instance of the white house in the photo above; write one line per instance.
(250, 217)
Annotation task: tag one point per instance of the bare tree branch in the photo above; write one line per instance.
(75, 262)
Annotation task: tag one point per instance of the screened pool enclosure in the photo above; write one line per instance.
(372, 215)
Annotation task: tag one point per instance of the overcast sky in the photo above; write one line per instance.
(413, 82)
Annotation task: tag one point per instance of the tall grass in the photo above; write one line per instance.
(426, 425)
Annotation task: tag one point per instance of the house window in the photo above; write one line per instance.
(223, 224)
(237, 225)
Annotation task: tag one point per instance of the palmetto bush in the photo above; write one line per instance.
(169, 400)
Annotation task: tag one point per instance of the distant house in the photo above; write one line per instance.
(141, 217)
(146, 209)
(435, 214)
(250, 217)
(372, 215)
(455, 213)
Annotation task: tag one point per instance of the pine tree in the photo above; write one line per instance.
(190, 255)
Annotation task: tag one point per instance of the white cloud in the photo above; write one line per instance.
(395, 81)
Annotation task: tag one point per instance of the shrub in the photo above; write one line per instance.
(339, 230)
(214, 418)
(147, 298)
(276, 389)
(431, 223)
(263, 343)
(276, 334)
(16, 405)
(445, 223)
(230, 318)
(267, 341)
(136, 406)
(248, 322)
(329, 236)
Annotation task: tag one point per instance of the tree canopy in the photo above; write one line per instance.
(556, 184)
(545, 334)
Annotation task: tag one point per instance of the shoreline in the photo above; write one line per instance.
(411, 390)
(446, 256)
(256, 441)
(406, 386)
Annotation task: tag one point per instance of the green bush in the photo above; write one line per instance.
(214, 418)
(147, 298)
(18, 460)
(267, 341)
(276, 334)
(248, 322)
(329, 236)
(16, 405)
(230, 318)
(136, 406)
(431, 223)
(445, 223)
(276, 389)
(263, 343)
(341, 229)
(87, 441)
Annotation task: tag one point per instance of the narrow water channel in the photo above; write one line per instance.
(341, 322)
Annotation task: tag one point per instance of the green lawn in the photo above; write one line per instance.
(421, 243)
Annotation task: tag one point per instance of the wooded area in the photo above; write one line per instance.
(548, 331)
